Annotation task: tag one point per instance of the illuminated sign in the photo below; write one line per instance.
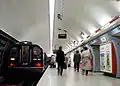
(62, 36)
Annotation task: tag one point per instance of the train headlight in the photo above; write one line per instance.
(39, 59)
(12, 59)
(34, 59)
(25, 42)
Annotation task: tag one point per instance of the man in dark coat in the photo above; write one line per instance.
(60, 60)
(77, 59)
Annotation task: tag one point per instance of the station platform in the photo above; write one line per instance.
(71, 78)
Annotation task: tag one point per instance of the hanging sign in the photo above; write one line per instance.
(62, 36)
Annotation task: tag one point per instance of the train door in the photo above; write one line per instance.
(96, 57)
(25, 55)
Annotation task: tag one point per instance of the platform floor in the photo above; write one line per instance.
(71, 78)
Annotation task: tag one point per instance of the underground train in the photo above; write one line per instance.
(25, 61)
(25, 55)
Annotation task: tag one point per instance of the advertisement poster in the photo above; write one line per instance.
(106, 58)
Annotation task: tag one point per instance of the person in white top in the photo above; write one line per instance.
(86, 66)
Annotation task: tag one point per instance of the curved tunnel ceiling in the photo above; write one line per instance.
(29, 19)
(26, 20)
(82, 16)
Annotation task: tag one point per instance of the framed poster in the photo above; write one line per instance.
(106, 58)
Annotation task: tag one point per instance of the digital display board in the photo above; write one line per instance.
(62, 36)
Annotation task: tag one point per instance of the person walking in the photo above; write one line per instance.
(66, 61)
(60, 58)
(52, 62)
(85, 61)
(76, 60)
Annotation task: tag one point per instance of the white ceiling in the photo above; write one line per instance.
(82, 16)
(26, 20)
(29, 19)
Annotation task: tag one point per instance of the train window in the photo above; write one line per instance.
(25, 54)
(2, 49)
(36, 53)
(0, 56)
(14, 52)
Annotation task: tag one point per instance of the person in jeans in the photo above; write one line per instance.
(76, 60)
(86, 66)
(60, 58)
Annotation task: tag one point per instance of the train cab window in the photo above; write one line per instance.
(14, 57)
(13, 54)
(36, 53)
(25, 54)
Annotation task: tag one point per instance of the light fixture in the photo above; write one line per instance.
(25, 42)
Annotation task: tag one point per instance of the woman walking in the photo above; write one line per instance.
(86, 66)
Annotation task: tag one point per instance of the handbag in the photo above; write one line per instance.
(65, 66)
(81, 65)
